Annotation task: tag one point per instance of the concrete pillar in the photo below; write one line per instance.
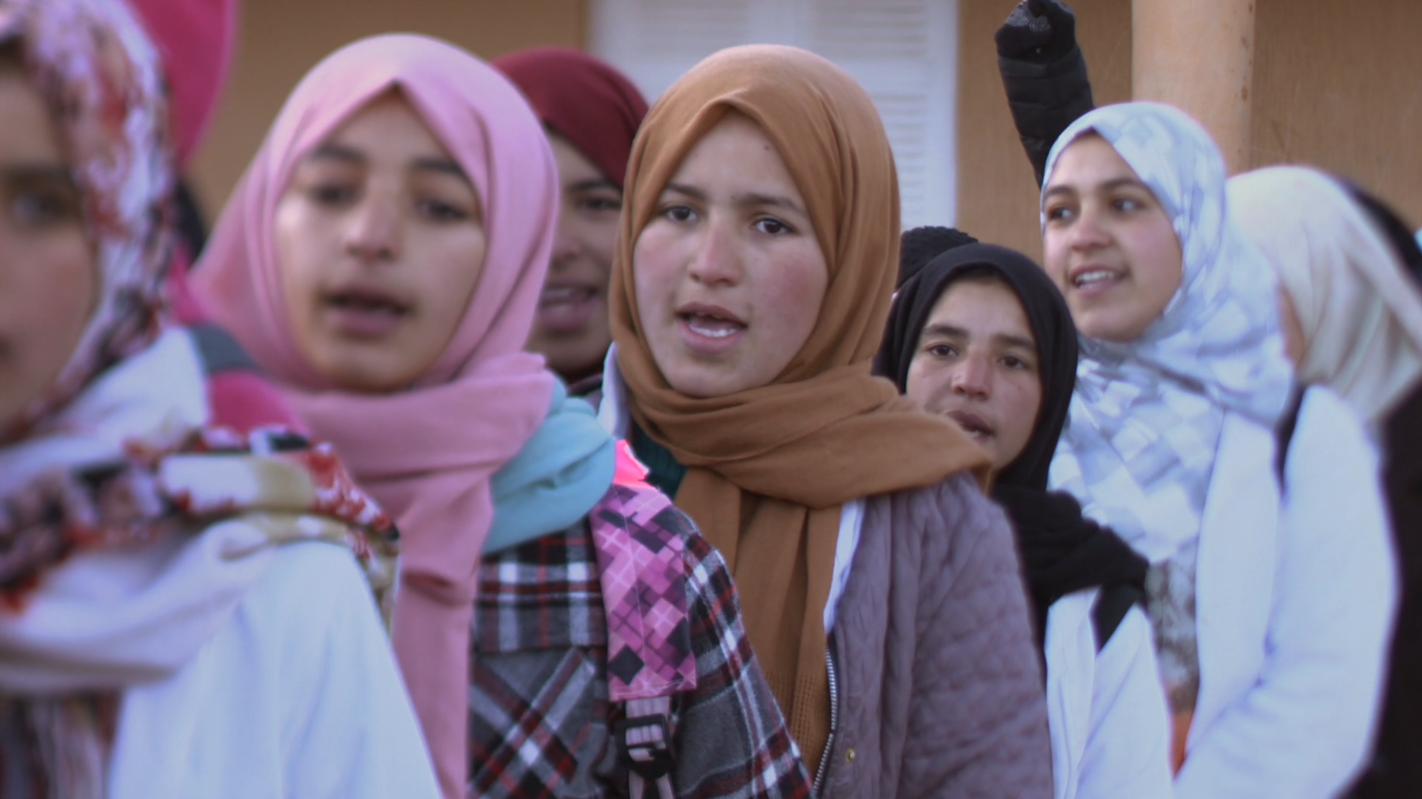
(1198, 55)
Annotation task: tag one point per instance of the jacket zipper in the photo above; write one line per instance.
(823, 771)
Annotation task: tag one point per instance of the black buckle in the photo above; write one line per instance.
(652, 760)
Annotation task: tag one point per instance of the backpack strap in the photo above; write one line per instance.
(239, 397)
(1112, 605)
(219, 351)
(642, 569)
(1284, 433)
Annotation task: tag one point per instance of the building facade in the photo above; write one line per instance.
(1333, 84)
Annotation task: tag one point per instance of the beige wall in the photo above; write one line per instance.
(1339, 85)
(1336, 84)
(282, 39)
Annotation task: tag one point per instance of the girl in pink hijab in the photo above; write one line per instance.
(383, 258)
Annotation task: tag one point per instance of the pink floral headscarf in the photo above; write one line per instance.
(132, 443)
(426, 454)
(101, 79)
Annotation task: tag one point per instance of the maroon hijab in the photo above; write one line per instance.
(581, 98)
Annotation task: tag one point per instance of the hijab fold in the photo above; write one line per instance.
(1360, 312)
(428, 453)
(771, 467)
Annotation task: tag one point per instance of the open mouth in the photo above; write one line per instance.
(1091, 277)
(710, 321)
(972, 424)
(363, 301)
(564, 295)
(365, 312)
(566, 309)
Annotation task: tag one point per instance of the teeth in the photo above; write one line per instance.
(1094, 276)
(562, 294)
(720, 332)
(711, 327)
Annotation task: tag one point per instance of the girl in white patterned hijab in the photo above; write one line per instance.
(1170, 441)
(1148, 408)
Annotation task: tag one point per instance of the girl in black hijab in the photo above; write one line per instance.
(958, 344)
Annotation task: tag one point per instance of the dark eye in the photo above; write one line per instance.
(1058, 213)
(1013, 362)
(679, 213)
(942, 350)
(332, 194)
(1126, 204)
(39, 207)
(772, 226)
(599, 205)
(441, 211)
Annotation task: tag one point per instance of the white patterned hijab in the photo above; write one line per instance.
(1140, 443)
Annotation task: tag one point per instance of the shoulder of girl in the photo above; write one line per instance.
(1326, 424)
(955, 506)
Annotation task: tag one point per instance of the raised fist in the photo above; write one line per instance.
(1037, 31)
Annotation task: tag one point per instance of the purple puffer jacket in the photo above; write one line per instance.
(938, 684)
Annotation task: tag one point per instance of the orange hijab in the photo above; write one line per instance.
(770, 467)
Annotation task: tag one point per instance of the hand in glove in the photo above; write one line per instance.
(1038, 32)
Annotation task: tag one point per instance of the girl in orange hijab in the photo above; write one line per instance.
(758, 253)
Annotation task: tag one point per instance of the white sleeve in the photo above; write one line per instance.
(1305, 728)
(1127, 753)
(296, 697)
(349, 730)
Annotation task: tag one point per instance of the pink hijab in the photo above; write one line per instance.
(426, 454)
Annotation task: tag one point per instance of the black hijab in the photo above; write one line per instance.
(920, 245)
(1062, 551)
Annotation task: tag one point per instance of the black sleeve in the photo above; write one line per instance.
(1045, 99)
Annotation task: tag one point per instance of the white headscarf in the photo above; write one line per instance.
(1361, 315)
(1145, 421)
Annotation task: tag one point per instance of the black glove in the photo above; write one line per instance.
(1038, 32)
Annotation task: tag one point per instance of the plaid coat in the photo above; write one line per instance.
(540, 718)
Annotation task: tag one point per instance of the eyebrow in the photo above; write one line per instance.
(443, 166)
(590, 185)
(337, 152)
(1114, 183)
(1117, 183)
(681, 188)
(747, 199)
(773, 200)
(1005, 339)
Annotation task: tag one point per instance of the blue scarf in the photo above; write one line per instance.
(556, 479)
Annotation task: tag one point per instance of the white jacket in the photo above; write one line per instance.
(246, 670)
(1109, 724)
(1294, 607)
(296, 697)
